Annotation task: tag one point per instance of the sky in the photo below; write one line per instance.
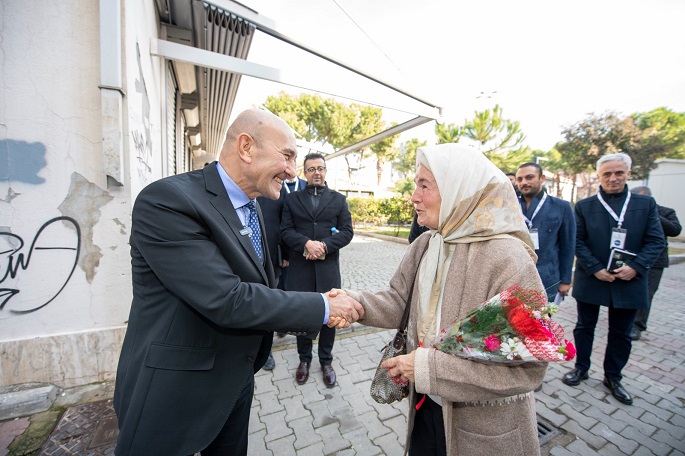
(548, 64)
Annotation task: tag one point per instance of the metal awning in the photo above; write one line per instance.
(220, 33)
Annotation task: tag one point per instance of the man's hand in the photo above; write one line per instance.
(605, 276)
(401, 368)
(284, 263)
(343, 311)
(563, 288)
(625, 273)
(314, 249)
(335, 292)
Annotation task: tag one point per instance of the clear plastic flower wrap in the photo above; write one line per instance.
(514, 326)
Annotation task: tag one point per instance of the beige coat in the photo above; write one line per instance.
(478, 271)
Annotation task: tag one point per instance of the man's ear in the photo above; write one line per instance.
(245, 147)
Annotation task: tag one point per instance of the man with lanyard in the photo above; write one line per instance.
(272, 211)
(552, 229)
(613, 218)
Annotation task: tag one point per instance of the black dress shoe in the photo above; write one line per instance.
(270, 363)
(302, 373)
(635, 334)
(618, 391)
(574, 377)
(328, 375)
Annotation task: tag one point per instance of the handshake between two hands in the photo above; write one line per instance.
(343, 310)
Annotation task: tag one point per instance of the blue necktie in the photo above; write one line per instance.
(256, 233)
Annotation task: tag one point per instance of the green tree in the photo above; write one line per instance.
(405, 162)
(664, 127)
(495, 136)
(385, 151)
(448, 133)
(586, 141)
(327, 121)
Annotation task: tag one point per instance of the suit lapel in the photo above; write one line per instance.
(222, 203)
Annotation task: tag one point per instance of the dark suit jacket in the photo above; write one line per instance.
(300, 224)
(272, 211)
(593, 235)
(671, 226)
(556, 237)
(201, 320)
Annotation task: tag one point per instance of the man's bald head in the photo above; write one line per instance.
(254, 122)
(259, 152)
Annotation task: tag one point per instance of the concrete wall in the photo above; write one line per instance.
(64, 257)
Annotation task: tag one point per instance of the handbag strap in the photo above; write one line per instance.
(407, 307)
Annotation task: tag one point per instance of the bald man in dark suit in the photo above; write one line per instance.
(203, 312)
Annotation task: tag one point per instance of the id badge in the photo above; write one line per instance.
(618, 238)
(534, 237)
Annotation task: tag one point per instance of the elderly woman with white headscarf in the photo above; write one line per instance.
(477, 246)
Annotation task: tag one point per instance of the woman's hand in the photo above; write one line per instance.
(400, 368)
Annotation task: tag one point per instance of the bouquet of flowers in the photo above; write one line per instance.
(513, 327)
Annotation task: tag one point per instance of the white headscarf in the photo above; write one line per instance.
(478, 204)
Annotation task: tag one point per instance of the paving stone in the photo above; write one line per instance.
(557, 419)
(255, 424)
(281, 447)
(332, 439)
(294, 409)
(610, 450)
(304, 433)
(666, 437)
(268, 403)
(276, 426)
(561, 451)
(361, 443)
(314, 450)
(643, 427)
(390, 444)
(256, 444)
(676, 432)
(606, 419)
(580, 447)
(575, 415)
(374, 427)
(583, 434)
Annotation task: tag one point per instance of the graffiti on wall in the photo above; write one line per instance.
(34, 272)
(140, 130)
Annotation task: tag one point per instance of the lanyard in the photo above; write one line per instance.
(537, 209)
(297, 185)
(611, 212)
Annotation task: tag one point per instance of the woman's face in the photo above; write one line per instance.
(426, 199)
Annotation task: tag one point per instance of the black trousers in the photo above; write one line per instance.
(653, 280)
(619, 343)
(326, 340)
(428, 435)
(232, 438)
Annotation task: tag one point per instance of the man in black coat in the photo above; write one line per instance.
(671, 226)
(203, 311)
(612, 219)
(272, 211)
(316, 225)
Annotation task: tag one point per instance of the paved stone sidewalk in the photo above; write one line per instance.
(289, 419)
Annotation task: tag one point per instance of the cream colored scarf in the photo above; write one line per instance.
(478, 204)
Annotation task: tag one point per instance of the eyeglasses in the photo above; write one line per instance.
(320, 169)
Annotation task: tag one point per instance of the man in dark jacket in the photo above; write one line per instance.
(204, 306)
(671, 226)
(552, 229)
(612, 219)
(272, 211)
(316, 224)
